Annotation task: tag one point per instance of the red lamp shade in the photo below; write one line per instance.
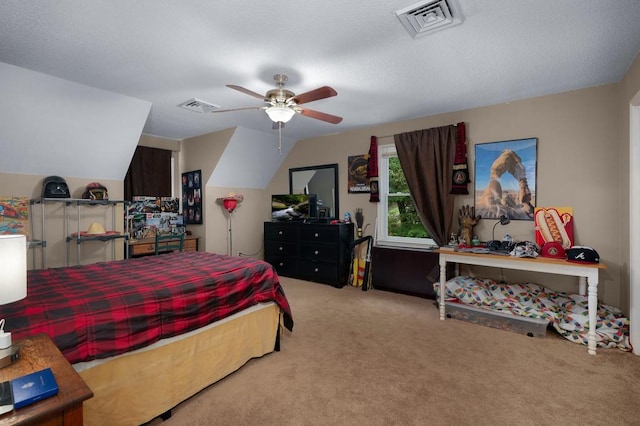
(230, 204)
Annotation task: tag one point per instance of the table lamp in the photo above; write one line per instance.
(13, 285)
(503, 220)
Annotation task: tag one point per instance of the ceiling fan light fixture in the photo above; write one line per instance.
(279, 113)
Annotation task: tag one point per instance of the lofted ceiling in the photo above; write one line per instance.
(165, 53)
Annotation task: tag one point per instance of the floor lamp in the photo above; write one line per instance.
(229, 203)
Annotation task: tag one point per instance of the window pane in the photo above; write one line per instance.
(403, 220)
(397, 182)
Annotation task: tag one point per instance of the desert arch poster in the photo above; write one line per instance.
(505, 179)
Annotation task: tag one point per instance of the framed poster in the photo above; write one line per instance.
(505, 179)
(357, 180)
(192, 197)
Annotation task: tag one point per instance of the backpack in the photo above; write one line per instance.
(95, 191)
(55, 187)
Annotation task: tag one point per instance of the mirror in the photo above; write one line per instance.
(320, 180)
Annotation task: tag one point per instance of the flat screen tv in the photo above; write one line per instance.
(294, 206)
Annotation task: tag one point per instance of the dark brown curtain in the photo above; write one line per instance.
(426, 157)
(149, 173)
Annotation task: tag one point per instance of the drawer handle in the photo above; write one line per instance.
(316, 270)
(281, 264)
(279, 232)
(315, 252)
(280, 248)
(316, 235)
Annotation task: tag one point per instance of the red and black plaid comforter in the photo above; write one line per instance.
(105, 309)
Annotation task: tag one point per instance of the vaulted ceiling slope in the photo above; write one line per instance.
(165, 53)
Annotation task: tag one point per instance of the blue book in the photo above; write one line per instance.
(33, 387)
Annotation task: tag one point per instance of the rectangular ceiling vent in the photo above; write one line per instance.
(196, 105)
(429, 16)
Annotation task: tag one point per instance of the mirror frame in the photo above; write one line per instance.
(336, 197)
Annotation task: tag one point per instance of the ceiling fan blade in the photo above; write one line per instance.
(333, 119)
(247, 91)
(236, 109)
(314, 95)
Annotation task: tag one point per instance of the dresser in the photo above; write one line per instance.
(310, 251)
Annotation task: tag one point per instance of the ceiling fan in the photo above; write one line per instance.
(282, 104)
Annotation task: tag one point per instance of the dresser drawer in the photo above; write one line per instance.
(280, 232)
(283, 266)
(319, 252)
(318, 271)
(280, 248)
(324, 234)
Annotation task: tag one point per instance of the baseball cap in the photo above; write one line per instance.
(582, 254)
(553, 249)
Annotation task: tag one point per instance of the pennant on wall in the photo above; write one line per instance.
(372, 172)
(460, 171)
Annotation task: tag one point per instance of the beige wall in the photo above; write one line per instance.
(578, 166)
(57, 248)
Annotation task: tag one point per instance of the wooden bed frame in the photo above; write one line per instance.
(136, 387)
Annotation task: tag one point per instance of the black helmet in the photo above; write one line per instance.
(55, 187)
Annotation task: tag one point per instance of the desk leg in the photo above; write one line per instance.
(593, 310)
(443, 279)
(582, 286)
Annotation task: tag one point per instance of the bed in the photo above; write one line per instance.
(148, 333)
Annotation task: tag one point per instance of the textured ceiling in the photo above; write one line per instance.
(166, 52)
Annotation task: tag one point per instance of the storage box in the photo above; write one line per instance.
(532, 327)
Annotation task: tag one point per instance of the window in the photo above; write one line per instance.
(398, 221)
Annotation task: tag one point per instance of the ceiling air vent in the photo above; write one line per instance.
(429, 16)
(196, 105)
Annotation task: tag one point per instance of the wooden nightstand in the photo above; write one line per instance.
(36, 353)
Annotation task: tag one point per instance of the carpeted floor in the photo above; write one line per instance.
(379, 358)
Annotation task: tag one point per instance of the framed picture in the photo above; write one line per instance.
(192, 197)
(505, 179)
(357, 180)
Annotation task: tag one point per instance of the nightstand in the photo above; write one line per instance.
(36, 353)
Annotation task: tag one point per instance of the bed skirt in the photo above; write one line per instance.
(134, 388)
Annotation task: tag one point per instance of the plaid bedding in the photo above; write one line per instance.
(109, 308)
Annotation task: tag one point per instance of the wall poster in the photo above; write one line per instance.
(192, 197)
(505, 179)
(357, 180)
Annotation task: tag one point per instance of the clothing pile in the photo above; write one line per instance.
(568, 313)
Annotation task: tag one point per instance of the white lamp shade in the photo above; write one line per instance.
(279, 113)
(13, 268)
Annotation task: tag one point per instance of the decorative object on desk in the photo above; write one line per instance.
(554, 224)
(505, 179)
(192, 197)
(95, 191)
(13, 280)
(467, 220)
(55, 187)
(230, 203)
(357, 174)
(460, 170)
(14, 215)
(95, 229)
(582, 254)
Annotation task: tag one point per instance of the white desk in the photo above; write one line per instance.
(586, 272)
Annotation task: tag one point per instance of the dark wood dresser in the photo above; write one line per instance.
(309, 251)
